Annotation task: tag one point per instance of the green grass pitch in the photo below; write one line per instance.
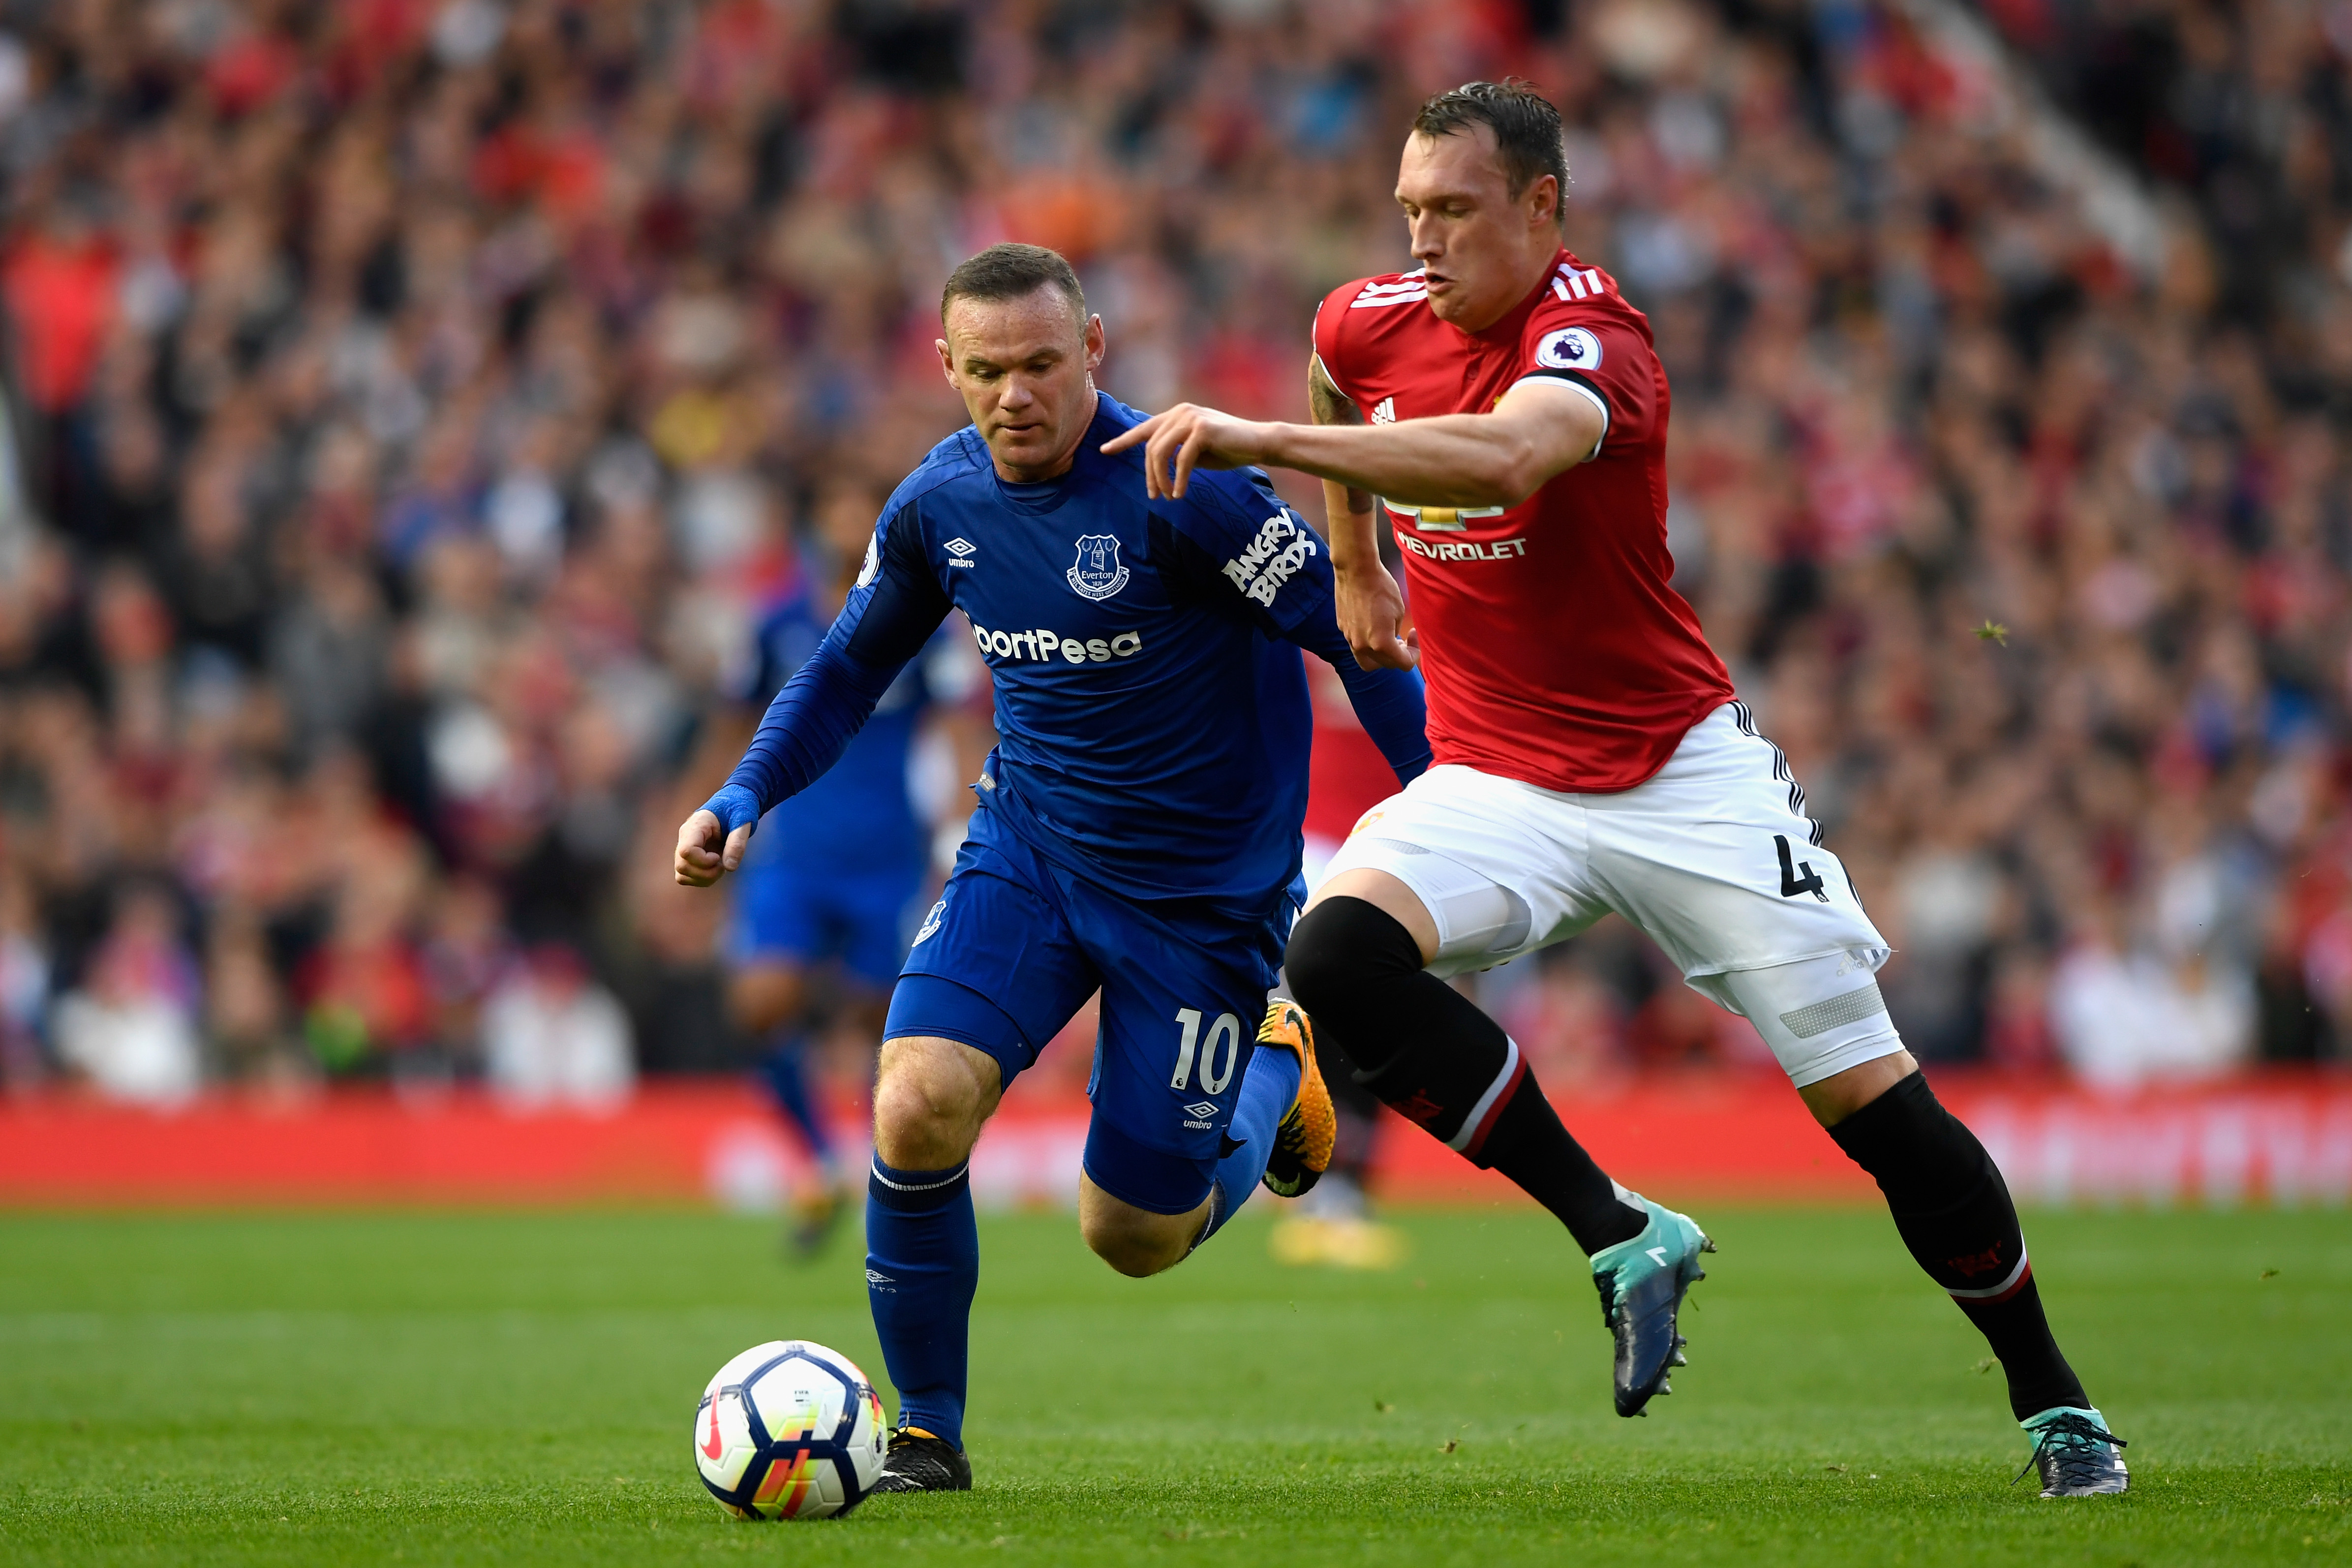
(463, 1388)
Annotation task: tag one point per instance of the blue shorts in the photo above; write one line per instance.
(1015, 947)
(787, 913)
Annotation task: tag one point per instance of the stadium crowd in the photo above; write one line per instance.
(416, 401)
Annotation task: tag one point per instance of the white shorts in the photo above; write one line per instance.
(1713, 858)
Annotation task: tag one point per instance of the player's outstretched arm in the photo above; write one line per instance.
(1498, 459)
(1369, 605)
(892, 613)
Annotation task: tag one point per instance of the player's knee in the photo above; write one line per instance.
(1131, 1243)
(928, 1104)
(1339, 946)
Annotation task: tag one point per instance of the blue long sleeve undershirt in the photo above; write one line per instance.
(829, 699)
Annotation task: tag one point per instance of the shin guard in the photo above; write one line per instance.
(1955, 1213)
(1438, 1061)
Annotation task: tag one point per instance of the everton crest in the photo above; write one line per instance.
(1096, 573)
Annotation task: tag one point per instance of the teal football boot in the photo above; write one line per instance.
(2075, 1453)
(1642, 1283)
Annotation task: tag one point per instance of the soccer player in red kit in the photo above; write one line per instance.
(1503, 404)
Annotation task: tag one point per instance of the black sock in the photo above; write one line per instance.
(1424, 1049)
(1956, 1215)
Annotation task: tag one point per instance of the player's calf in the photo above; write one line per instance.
(1436, 1060)
(1955, 1213)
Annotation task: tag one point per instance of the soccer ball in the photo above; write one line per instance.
(789, 1430)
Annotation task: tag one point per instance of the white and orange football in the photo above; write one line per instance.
(789, 1430)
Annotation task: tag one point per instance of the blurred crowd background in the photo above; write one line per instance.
(416, 403)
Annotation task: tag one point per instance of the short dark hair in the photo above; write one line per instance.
(1013, 272)
(1525, 126)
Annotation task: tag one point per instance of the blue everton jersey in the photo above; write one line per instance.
(1152, 733)
(1151, 708)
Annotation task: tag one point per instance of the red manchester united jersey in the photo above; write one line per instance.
(1555, 651)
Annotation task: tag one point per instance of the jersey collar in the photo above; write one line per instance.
(1047, 495)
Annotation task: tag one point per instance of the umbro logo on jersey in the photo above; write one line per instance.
(962, 549)
(1403, 291)
(1261, 569)
(1042, 644)
(1204, 1109)
(1384, 411)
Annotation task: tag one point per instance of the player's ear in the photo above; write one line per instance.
(946, 363)
(1543, 201)
(1096, 343)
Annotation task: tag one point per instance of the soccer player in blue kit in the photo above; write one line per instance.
(839, 873)
(1138, 828)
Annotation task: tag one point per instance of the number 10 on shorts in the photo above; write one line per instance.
(1223, 1054)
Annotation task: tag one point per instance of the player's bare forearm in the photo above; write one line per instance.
(1327, 405)
(1366, 600)
(1454, 459)
(1497, 458)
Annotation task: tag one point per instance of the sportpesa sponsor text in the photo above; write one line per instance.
(1045, 645)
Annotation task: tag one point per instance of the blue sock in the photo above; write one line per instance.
(782, 1068)
(1266, 1093)
(922, 1265)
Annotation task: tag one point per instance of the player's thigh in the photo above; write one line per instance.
(1714, 859)
(1492, 868)
(1182, 994)
(994, 964)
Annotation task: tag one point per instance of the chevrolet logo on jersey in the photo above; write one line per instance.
(1509, 549)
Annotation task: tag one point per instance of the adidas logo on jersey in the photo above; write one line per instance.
(1384, 411)
(1261, 570)
(1042, 644)
(1568, 283)
(1403, 291)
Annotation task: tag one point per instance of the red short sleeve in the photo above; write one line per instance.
(1330, 316)
(1603, 345)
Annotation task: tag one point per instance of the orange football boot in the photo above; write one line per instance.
(1303, 1139)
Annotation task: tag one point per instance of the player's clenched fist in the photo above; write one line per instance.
(706, 852)
(1185, 438)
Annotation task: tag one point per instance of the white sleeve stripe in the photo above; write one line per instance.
(1560, 288)
(1597, 400)
(1575, 285)
(1329, 377)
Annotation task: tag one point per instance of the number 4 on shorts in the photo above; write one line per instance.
(1792, 884)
